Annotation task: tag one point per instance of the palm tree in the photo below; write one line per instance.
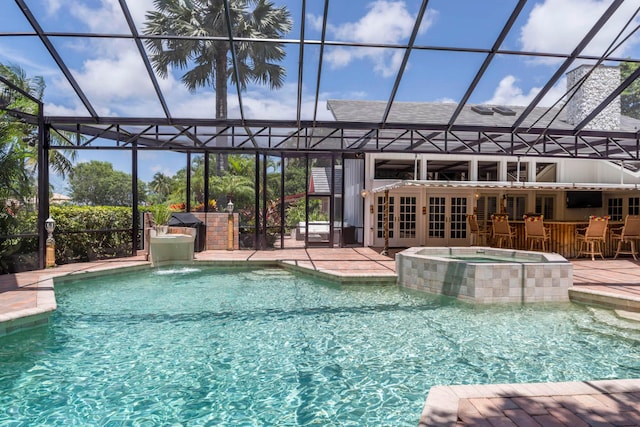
(161, 185)
(210, 60)
(236, 188)
(16, 181)
(19, 133)
(242, 164)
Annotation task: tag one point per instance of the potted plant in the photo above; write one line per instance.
(161, 214)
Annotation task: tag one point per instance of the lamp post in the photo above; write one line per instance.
(229, 210)
(50, 258)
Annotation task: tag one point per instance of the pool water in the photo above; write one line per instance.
(210, 346)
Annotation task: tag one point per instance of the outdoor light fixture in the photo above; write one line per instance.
(50, 258)
(229, 210)
(364, 193)
(50, 225)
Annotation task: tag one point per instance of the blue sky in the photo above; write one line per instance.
(113, 76)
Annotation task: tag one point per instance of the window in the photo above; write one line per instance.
(545, 205)
(516, 206)
(487, 171)
(396, 169)
(614, 208)
(505, 111)
(447, 170)
(485, 207)
(482, 110)
(634, 206)
(512, 171)
(546, 172)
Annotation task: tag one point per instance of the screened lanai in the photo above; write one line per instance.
(490, 76)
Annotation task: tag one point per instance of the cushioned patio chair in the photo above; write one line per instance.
(590, 240)
(478, 234)
(628, 234)
(535, 232)
(502, 231)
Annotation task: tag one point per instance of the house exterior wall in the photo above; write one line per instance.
(582, 171)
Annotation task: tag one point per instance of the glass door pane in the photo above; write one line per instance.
(380, 203)
(407, 217)
(437, 217)
(458, 234)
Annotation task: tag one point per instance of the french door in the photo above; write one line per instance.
(402, 224)
(447, 220)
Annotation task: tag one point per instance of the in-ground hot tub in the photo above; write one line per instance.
(486, 275)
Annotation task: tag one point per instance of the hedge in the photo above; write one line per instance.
(73, 242)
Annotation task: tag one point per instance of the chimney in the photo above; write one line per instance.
(600, 83)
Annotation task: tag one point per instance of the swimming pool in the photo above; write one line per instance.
(210, 346)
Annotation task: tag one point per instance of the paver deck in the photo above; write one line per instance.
(611, 283)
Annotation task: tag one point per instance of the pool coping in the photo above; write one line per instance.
(442, 406)
(31, 317)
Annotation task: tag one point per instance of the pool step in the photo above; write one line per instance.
(614, 319)
(628, 315)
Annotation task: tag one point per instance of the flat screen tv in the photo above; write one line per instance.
(584, 199)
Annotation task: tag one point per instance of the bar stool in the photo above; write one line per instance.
(628, 234)
(591, 239)
(536, 232)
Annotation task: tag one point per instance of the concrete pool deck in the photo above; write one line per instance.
(611, 283)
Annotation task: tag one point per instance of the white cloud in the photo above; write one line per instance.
(508, 93)
(315, 21)
(116, 78)
(559, 25)
(52, 6)
(139, 9)
(184, 104)
(386, 22)
(260, 103)
(446, 100)
(107, 16)
(51, 109)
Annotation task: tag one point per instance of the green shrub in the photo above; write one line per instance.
(73, 244)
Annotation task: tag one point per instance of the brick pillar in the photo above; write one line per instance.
(216, 229)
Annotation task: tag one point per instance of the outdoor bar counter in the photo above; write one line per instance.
(563, 237)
